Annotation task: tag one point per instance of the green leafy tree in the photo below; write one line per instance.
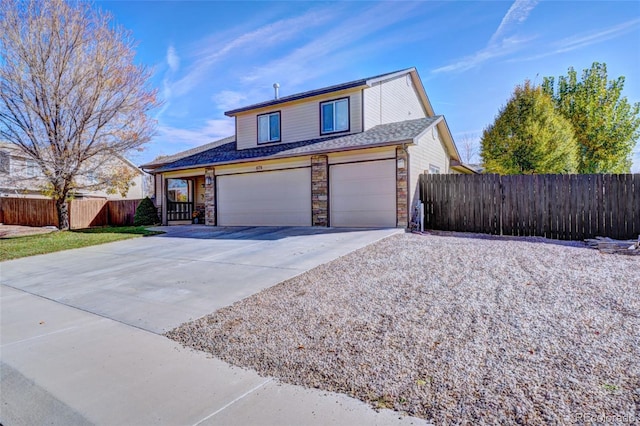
(146, 213)
(529, 136)
(605, 124)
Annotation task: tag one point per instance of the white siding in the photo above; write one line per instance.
(392, 101)
(299, 120)
(428, 151)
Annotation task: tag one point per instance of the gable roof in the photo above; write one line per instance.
(363, 82)
(165, 159)
(381, 135)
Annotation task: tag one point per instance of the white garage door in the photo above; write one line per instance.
(363, 194)
(279, 198)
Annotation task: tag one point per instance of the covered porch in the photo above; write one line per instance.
(184, 200)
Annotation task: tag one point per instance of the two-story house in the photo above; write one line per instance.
(20, 176)
(348, 155)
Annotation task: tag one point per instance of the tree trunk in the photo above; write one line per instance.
(63, 213)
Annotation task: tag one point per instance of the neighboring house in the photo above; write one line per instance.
(348, 155)
(20, 176)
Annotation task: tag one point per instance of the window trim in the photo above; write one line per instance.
(434, 167)
(348, 129)
(279, 127)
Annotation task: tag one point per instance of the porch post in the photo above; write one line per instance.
(319, 190)
(210, 196)
(402, 167)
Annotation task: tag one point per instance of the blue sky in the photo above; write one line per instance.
(211, 56)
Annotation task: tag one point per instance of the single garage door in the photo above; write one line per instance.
(363, 194)
(278, 198)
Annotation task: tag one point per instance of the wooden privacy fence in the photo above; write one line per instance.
(82, 213)
(566, 207)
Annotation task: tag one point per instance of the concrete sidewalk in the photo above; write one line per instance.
(64, 366)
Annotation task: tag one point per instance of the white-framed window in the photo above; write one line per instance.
(31, 169)
(269, 127)
(334, 116)
(5, 162)
(434, 170)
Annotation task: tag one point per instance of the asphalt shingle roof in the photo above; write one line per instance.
(384, 134)
(164, 159)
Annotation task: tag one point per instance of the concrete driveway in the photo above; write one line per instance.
(79, 340)
(157, 283)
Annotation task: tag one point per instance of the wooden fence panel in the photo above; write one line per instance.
(28, 211)
(83, 213)
(122, 212)
(87, 213)
(568, 207)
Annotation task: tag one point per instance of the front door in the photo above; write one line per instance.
(179, 199)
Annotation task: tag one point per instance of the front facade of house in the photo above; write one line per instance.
(348, 155)
(21, 176)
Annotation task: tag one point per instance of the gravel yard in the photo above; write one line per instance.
(451, 329)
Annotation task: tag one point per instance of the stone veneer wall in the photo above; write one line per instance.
(210, 196)
(402, 188)
(320, 190)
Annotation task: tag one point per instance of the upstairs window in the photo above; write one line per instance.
(334, 116)
(31, 169)
(269, 127)
(5, 162)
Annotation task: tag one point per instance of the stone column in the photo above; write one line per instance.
(320, 190)
(402, 168)
(210, 196)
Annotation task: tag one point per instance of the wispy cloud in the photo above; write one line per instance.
(586, 39)
(228, 99)
(517, 13)
(341, 43)
(172, 59)
(499, 44)
(260, 38)
(506, 47)
(213, 130)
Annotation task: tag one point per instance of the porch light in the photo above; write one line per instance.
(401, 163)
(208, 180)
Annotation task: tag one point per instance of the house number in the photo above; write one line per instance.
(258, 167)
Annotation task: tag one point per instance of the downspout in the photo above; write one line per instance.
(408, 167)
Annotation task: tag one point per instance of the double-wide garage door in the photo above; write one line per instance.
(360, 195)
(363, 194)
(278, 198)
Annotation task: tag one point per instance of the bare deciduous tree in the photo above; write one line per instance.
(469, 148)
(71, 94)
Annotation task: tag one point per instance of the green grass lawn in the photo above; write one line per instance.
(16, 247)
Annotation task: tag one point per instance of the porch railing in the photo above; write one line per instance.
(179, 211)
